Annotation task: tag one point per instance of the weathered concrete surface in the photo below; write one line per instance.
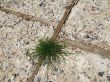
(49, 9)
(79, 66)
(28, 17)
(17, 38)
(89, 21)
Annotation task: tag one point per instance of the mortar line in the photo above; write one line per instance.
(28, 17)
(64, 18)
(89, 48)
(54, 36)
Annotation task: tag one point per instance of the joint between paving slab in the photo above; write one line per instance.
(57, 30)
(29, 17)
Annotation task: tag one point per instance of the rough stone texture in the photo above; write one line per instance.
(89, 21)
(17, 38)
(79, 66)
(49, 9)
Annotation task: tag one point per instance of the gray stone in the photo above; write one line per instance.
(100, 74)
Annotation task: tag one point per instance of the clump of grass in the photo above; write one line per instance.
(50, 51)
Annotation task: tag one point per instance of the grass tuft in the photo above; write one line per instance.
(50, 51)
